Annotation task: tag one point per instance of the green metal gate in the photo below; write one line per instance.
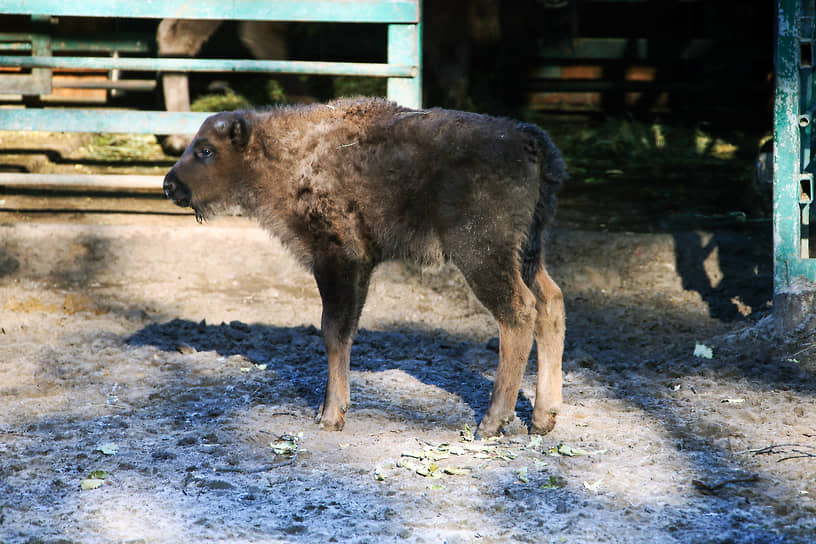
(34, 53)
(794, 142)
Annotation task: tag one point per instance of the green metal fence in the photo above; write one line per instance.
(34, 53)
(794, 140)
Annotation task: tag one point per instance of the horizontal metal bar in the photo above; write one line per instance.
(624, 49)
(128, 43)
(119, 84)
(599, 85)
(111, 181)
(212, 65)
(101, 120)
(643, 1)
(359, 11)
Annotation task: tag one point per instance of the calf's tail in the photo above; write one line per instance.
(552, 175)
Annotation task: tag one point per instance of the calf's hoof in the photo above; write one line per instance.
(492, 426)
(331, 420)
(543, 425)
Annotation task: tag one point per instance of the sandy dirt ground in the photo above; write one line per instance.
(159, 380)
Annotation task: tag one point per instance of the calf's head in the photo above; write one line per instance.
(208, 174)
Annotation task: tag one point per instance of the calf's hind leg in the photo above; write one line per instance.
(500, 288)
(549, 334)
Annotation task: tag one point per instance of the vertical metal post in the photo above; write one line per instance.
(805, 22)
(805, 201)
(788, 167)
(40, 47)
(405, 47)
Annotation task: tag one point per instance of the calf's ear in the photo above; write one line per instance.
(239, 132)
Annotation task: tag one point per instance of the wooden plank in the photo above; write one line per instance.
(347, 11)
(107, 181)
(212, 65)
(141, 85)
(22, 84)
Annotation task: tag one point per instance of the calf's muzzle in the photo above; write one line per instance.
(176, 191)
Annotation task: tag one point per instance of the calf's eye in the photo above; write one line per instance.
(205, 152)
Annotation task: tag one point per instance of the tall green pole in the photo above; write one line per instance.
(792, 181)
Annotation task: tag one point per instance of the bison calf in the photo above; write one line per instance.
(350, 184)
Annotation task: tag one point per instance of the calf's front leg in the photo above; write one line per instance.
(343, 287)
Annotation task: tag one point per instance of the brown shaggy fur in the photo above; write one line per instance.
(349, 184)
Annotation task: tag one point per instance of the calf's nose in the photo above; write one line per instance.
(170, 184)
(175, 190)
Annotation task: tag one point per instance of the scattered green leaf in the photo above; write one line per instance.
(286, 444)
(552, 483)
(538, 463)
(566, 451)
(424, 468)
(479, 447)
(108, 448)
(410, 465)
(522, 475)
(91, 483)
(506, 456)
(426, 462)
(456, 450)
(703, 351)
(94, 480)
(593, 487)
(466, 434)
(570, 451)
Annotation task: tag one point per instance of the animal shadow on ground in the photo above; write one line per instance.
(745, 281)
(298, 357)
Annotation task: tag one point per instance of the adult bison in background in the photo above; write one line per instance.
(186, 37)
(349, 184)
